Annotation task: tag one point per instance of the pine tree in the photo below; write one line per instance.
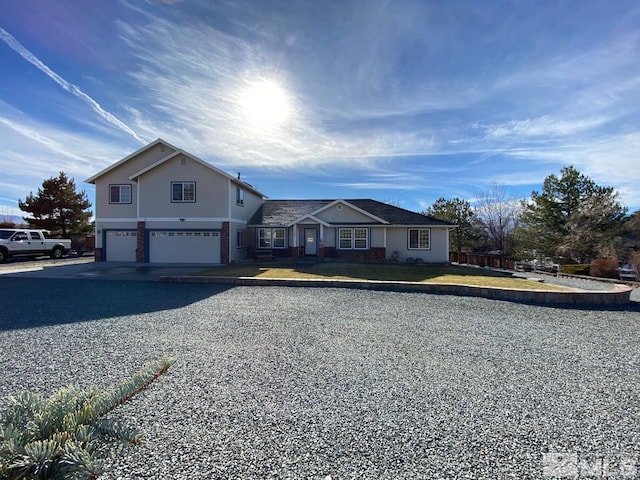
(57, 207)
(571, 217)
(460, 213)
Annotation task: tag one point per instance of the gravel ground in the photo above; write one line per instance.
(583, 283)
(276, 382)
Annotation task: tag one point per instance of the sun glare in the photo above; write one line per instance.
(265, 104)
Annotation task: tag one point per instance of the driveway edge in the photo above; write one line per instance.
(620, 294)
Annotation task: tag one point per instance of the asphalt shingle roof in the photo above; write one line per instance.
(283, 212)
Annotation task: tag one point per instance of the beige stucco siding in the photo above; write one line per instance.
(120, 176)
(155, 191)
(251, 203)
(345, 215)
(236, 253)
(329, 237)
(376, 237)
(186, 225)
(397, 240)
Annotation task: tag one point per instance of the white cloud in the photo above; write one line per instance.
(69, 87)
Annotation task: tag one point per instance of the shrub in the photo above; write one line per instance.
(604, 268)
(577, 269)
(66, 436)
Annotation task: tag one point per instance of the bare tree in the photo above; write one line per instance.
(498, 214)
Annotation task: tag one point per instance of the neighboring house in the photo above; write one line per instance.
(163, 205)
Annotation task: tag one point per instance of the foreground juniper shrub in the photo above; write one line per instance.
(67, 436)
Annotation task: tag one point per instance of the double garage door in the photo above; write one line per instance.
(184, 246)
(166, 246)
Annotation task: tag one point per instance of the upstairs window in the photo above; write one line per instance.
(183, 192)
(419, 239)
(119, 193)
(239, 196)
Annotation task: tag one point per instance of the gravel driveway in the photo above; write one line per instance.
(276, 382)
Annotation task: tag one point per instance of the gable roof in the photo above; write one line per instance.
(180, 152)
(288, 212)
(157, 141)
(177, 151)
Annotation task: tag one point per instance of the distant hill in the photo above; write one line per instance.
(13, 219)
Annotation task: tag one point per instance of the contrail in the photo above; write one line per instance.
(69, 87)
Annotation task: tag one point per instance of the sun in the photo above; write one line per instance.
(265, 104)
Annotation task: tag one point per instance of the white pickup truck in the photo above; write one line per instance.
(23, 242)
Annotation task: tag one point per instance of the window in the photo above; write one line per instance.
(183, 191)
(240, 240)
(353, 238)
(345, 238)
(360, 238)
(119, 193)
(239, 196)
(272, 238)
(278, 238)
(36, 236)
(419, 239)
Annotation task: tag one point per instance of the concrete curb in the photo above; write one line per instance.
(620, 295)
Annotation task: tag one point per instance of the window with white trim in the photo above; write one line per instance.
(239, 196)
(353, 238)
(119, 193)
(345, 236)
(272, 238)
(419, 238)
(183, 192)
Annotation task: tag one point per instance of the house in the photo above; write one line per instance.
(360, 229)
(162, 204)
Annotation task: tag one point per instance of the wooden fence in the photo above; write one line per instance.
(482, 260)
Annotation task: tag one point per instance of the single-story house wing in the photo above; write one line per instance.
(360, 229)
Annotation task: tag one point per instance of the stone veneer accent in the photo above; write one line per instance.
(140, 242)
(374, 253)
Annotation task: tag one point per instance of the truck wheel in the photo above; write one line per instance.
(3, 255)
(57, 252)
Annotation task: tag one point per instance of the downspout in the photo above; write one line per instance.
(138, 198)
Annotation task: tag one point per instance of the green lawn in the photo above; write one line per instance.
(377, 271)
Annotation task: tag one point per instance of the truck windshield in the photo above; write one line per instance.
(5, 234)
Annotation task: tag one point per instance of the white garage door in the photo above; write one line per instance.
(184, 246)
(121, 245)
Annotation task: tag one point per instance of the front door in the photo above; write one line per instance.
(310, 243)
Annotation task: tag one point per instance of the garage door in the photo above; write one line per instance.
(121, 245)
(184, 246)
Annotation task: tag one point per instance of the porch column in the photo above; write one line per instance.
(294, 250)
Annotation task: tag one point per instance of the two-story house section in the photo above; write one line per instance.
(162, 204)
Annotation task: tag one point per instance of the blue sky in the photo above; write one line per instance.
(400, 101)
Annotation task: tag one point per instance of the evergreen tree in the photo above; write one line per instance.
(571, 217)
(57, 206)
(457, 212)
